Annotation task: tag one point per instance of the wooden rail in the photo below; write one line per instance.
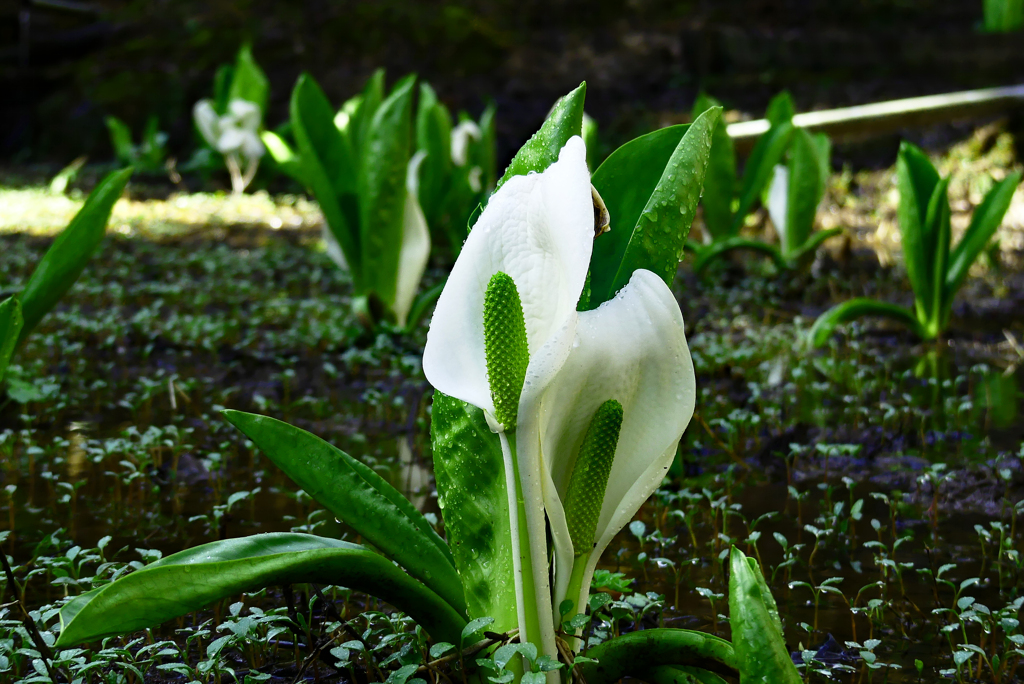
(866, 120)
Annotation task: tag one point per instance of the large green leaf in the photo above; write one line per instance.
(756, 630)
(541, 150)
(858, 308)
(669, 674)
(191, 579)
(433, 136)
(650, 220)
(626, 180)
(328, 167)
(720, 179)
(222, 87)
(758, 170)
(359, 497)
(60, 267)
(382, 190)
(780, 109)
(824, 149)
(362, 114)
(10, 327)
(916, 179)
(249, 82)
(984, 224)
(939, 232)
(802, 192)
(638, 652)
(469, 470)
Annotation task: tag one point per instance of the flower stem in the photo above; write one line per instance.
(522, 562)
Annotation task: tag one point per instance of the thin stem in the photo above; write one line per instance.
(514, 506)
(235, 171)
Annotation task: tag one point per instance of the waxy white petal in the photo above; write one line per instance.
(245, 115)
(460, 141)
(538, 229)
(778, 200)
(252, 146)
(415, 251)
(632, 349)
(207, 121)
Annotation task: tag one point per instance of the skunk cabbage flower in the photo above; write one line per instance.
(506, 337)
(235, 135)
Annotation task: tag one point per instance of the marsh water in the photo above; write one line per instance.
(111, 429)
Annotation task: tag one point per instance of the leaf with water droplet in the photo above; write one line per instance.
(662, 169)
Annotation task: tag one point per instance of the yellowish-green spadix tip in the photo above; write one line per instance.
(590, 475)
(505, 347)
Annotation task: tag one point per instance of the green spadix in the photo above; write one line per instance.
(590, 475)
(505, 347)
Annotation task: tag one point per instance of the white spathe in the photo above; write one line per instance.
(415, 250)
(778, 200)
(538, 229)
(236, 132)
(632, 349)
(461, 135)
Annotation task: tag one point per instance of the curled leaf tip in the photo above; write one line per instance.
(590, 475)
(505, 347)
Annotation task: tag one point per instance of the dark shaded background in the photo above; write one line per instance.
(644, 60)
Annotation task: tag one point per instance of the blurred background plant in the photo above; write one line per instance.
(230, 123)
(149, 156)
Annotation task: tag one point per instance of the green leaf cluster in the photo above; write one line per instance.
(355, 162)
(936, 269)
(149, 156)
(450, 192)
(727, 199)
(783, 152)
(243, 80)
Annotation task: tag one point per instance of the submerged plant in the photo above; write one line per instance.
(936, 269)
(231, 121)
(361, 166)
(60, 267)
(560, 400)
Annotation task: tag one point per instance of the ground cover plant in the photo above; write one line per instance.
(856, 475)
